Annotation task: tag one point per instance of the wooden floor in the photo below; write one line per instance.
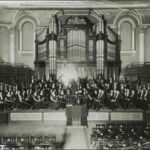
(78, 138)
(32, 129)
(67, 137)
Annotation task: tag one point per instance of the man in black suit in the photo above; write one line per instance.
(1, 101)
(133, 98)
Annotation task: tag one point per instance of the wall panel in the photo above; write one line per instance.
(147, 45)
(4, 44)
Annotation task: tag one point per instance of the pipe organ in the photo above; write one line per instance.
(76, 46)
(79, 46)
(100, 47)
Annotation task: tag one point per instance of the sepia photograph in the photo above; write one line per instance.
(75, 74)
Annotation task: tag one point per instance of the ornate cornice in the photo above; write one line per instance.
(79, 4)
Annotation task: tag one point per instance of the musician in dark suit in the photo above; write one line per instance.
(147, 132)
(122, 89)
(54, 100)
(8, 100)
(85, 96)
(74, 86)
(92, 97)
(26, 98)
(29, 98)
(79, 100)
(20, 100)
(133, 98)
(126, 98)
(32, 85)
(99, 99)
(122, 100)
(68, 96)
(110, 98)
(96, 100)
(61, 98)
(42, 99)
(107, 89)
(50, 82)
(146, 99)
(114, 99)
(1, 101)
(122, 131)
(140, 98)
(36, 100)
(88, 92)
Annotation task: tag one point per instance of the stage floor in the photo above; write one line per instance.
(56, 116)
(77, 137)
(53, 123)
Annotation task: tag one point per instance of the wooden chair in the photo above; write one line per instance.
(23, 142)
(10, 142)
(49, 142)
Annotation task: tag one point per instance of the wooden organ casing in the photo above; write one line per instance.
(78, 46)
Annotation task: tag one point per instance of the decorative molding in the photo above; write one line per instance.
(142, 28)
(73, 4)
(5, 25)
(26, 19)
(128, 51)
(6, 16)
(25, 52)
(24, 14)
(40, 30)
(109, 14)
(128, 19)
(11, 29)
(127, 14)
(4, 28)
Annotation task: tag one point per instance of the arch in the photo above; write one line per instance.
(20, 15)
(127, 14)
(24, 19)
(20, 22)
(133, 24)
(127, 19)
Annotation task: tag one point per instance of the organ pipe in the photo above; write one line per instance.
(76, 45)
(52, 47)
(100, 48)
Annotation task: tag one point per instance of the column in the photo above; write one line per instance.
(52, 57)
(133, 39)
(52, 47)
(100, 49)
(141, 44)
(118, 60)
(47, 66)
(12, 45)
(20, 39)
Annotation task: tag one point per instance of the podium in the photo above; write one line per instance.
(76, 115)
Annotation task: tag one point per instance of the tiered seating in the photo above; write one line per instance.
(12, 74)
(121, 136)
(28, 142)
(95, 93)
(137, 71)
